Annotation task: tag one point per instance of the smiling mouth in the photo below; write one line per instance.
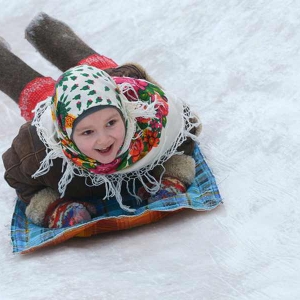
(105, 150)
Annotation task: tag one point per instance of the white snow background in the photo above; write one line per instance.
(239, 62)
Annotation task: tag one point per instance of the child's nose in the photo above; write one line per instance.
(102, 138)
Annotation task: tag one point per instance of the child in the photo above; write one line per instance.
(93, 134)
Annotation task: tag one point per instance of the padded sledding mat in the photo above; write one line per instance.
(202, 195)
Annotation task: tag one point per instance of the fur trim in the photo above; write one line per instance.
(39, 204)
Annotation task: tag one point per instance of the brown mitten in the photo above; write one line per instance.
(178, 166)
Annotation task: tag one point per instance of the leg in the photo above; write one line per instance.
(14, 73)
(58, 43)
(21, 83)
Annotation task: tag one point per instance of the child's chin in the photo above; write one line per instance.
(106, 160)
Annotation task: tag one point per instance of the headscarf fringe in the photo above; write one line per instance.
(113, 182)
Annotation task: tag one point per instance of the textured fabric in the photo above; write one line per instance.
(156, 124)
(170, 186)
(34, 92)
(202, 195)
(99, 61)
(23, 158)
(84, 88)
(40, 88)
(69, 214)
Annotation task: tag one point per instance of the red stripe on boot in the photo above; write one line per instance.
(34, 92)
(98, 61)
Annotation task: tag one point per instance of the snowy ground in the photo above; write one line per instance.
(239, 61)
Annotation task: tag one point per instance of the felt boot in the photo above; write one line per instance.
(68, 213)
(58, 43)
(14, 73)
(4, 43)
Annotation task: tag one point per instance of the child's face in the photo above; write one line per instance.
(100, 135)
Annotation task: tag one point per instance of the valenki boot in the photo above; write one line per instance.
(4, 43)
(58, 43)
(14, 73)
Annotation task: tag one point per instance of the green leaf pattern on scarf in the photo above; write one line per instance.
(67, 105)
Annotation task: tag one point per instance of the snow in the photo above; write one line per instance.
(238, 62)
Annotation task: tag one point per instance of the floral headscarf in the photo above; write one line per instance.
(83, 88)
(146, 111)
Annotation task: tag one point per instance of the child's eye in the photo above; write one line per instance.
(87, 132)
(111, 123)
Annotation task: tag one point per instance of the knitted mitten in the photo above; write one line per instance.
(64, 213)
(58, 43)
(14, 73)
(170, 186)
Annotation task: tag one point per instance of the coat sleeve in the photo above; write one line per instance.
(21, 161)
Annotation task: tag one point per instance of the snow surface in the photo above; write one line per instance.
(239, 62)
